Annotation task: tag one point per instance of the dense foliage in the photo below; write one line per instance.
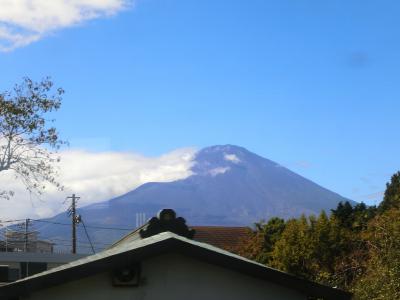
(356, 248)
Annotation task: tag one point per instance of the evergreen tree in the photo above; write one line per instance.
(292, 252)
(344, 214)
(260, 244)
(391, 198)
(362, 215)
(272, 231)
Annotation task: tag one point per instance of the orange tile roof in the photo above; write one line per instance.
(227, 238)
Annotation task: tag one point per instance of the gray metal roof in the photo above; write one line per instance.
(121, 248)
(166, 242)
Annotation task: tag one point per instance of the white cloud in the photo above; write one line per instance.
(95, 177)
(25, 21)
(217, 171)
(232, 158)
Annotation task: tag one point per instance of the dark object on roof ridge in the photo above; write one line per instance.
(166, 220)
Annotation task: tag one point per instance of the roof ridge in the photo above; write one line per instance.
(158, 244)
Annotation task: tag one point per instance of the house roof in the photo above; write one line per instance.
(166, 242)
(166, 220)
(227, 238)
(224, 237)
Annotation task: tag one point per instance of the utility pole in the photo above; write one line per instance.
(6, 229)
(72, 213)
(26, 245)
(26, 235)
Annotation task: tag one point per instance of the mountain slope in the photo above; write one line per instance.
(229, 186)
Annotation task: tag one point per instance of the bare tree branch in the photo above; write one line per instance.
(27, 142)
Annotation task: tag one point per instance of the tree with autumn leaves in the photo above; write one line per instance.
(356, 248)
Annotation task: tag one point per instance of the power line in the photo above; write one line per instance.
(51, 222)
(64, 240)
(23, 224)
(75, 218)
(88, 226)
(87, 235)
(81, 246)
(108, 228)
(65, 224)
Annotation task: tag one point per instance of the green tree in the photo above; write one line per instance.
(260, 244)
(381, 278)
(293, 251)
(391, 198)
(356, 217)
(344, 214)
(356, 248)
(323, 248)
(27, 142)
(272, 231)
(362, 214)
(348, 252)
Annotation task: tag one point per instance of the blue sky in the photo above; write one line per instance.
(313, 85)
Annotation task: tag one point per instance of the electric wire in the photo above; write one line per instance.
(87, 235)
(59, 242)
(88, 226)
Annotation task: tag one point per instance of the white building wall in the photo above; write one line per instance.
(173, 277)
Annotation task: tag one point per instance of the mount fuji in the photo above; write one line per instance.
(229, 186)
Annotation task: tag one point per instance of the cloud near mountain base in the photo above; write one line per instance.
(94, 177)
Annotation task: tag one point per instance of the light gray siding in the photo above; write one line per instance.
(173, 277)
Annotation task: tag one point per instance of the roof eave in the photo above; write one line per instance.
(168, 245)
